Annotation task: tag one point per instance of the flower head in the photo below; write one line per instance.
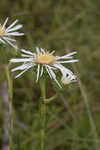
(68, 79)
(45, 60)
(7, 33)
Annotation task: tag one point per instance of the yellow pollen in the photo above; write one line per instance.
(2, 31)
(45, 59)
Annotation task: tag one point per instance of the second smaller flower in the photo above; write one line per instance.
(7, 33)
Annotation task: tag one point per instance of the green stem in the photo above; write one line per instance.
(50, 99)
(42, 114)
(9, 81)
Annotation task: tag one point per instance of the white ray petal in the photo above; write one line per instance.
(10, 39)
(68, 61)
(14, 34)
(68, 56)
(12, 24)
(17, 27)
(54, 76)
(42, 50)
(37, 50)
(48, 72)
(72, 53)
(23, 71)
(52, 73)
(41, 71)
(2, 41)
(52, 52)
(23, 55)
(38, 71)
(27, 52)
(3, 27)
(11, 44)
(52, 67)
(22, 67)
(63, 57)
(65, 71)
(20, 60)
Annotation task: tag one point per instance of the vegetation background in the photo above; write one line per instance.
(73, 119)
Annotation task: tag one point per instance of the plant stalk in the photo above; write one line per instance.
(42, 114)
(10, 93)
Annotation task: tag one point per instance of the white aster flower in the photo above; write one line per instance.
(68, 79)
(45, 60)
(7, 33)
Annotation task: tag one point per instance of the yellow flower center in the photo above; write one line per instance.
(2, 31)
(47, 59)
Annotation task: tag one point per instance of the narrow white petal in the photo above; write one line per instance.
(20, 60)
(37, 50)
(14, 34)
(68, 61)
(52, 67)
(68, 56)
(41, 71)
(5, 23)
(2, 41)
(14, 46)
(42, 50)
(52, 73)
(22, 67)
(62, 57)
(54, 76)
(23, 55)
(27, 52)
(38, 71)
(72, 53)
(23, 71)
(10, 39)
(52, 52)
(65, 71)
(17, 27)
(48, 72)
(12, 24)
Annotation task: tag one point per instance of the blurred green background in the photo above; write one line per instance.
(73, 119)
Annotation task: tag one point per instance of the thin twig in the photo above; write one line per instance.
(5, 108)
(10, 93)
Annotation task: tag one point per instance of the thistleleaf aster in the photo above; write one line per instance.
(45, 60)
(7, 33)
